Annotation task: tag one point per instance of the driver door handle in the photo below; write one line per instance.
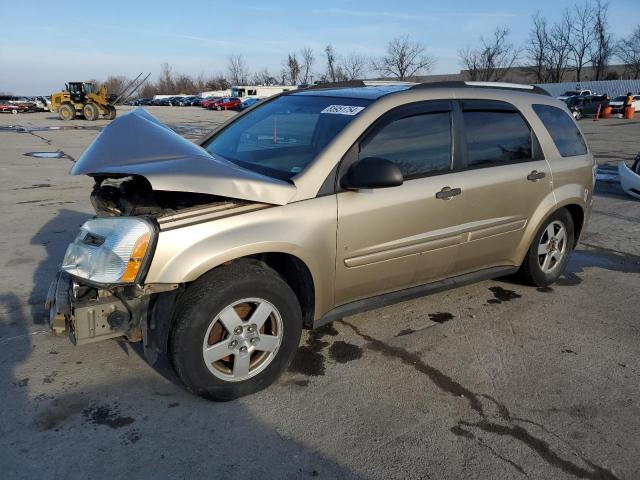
(535, 176)
(447, 193)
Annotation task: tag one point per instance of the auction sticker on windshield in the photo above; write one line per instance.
(342, 110)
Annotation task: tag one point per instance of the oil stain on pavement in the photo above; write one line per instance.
(441, 317)
(502, 295)
(309, 359)
(344, 352)
(108, 415)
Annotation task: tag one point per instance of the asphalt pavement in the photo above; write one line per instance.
(495, 380)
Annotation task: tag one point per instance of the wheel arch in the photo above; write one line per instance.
(575, 209)
(291, 268)
(577, 215)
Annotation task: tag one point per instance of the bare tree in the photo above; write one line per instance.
(292, 67)
(238, 71)
(404, 59)
(628, 50)
(537, 49)
(354, 66)
(116, 84)
(330, 55)
(184, 84)
(493, 60)
(306, 66)
(583, 35)
(263, 77)
(148, 90)
(603, 46)
(166, 83)
(559, 50)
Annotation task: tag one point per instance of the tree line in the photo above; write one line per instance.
(581, 38)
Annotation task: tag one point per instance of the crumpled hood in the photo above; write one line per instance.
(138, 144)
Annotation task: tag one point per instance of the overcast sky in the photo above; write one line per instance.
(46, 43)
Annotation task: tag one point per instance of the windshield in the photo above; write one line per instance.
(281, 137)
(569, 93)
(620, 98)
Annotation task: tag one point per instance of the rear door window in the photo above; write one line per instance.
(563, 130)
(496, 133)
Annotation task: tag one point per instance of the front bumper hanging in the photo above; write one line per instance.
(86, 320)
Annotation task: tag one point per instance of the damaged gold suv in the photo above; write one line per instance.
(311, 206)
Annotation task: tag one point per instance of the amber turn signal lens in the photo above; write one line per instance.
(136, 259)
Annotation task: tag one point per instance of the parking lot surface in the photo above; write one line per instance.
(495, 380)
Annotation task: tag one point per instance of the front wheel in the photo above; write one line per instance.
(111, 112)
(549, 252)
(236, 330)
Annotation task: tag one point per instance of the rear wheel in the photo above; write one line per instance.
(90, 112)
(236, 330)
(111, 112)
(549, 253)
(578, 114)
(67, 112)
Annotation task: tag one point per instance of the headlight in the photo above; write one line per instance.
(109, 250)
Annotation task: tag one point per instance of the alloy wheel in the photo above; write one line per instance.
(243, 339)
(552, 247)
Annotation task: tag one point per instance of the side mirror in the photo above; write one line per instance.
(372, 172)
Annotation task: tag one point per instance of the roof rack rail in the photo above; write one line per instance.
(499, 85)
(347, 84)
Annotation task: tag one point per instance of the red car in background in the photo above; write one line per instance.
(228, 103)
(208, 101)
(5, 106)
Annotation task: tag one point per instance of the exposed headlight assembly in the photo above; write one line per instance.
(110, 250)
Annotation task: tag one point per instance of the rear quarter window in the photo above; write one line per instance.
(563, 130)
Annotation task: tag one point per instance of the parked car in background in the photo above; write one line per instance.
(228, 103)
(24, 101)
(219, 254)
(630, 177)
(162, 102)
(586, 106)
(7, 107)
(39, 104)
(247, 102)
(185, 101)
(574, 93)
(618, 102)
(208, 101)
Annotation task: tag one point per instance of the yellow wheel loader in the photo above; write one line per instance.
(81, 99)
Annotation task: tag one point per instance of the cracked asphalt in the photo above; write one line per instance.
(495, 380)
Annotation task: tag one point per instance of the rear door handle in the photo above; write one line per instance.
(535, 176)
(447, 192)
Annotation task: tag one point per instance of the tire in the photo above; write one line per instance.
(218, 108)
(90, 112)
(66, 112)
(111, 112)
(235, 292)
(533, 267)
(579, 114)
